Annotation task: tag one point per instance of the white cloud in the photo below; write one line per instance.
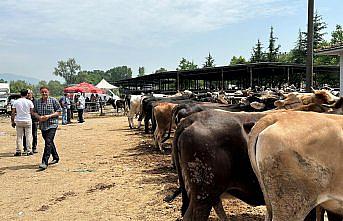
(127, 22)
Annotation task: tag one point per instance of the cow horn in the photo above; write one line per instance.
(313, 90)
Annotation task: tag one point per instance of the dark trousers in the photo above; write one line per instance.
(80, 115)
(34, 137)
(68, 115)
(49, 148)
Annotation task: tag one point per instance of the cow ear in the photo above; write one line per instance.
(247, 126)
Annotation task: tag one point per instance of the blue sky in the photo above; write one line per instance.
(35, 34)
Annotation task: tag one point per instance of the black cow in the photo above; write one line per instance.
(210, 154)
(117, 104)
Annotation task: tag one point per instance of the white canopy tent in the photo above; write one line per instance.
(103, 84)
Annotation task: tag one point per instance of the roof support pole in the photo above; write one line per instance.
(250, 69)
(341, 75)
(309, 59)
(178, 81)
(222, 83)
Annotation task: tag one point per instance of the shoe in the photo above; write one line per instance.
(34, 151)
(29, 153)
(17, 154)
(53, 162)
(43, 166)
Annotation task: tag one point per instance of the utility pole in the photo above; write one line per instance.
(309, 58)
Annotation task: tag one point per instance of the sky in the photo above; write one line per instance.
(101, 34)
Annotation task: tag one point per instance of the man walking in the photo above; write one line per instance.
(21, 119)
(34, 126)
(47, 110)
(80, 105)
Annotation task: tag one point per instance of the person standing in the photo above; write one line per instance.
(65, 102)
(34, 126)
(21, 120)
(80, 105)
(47, 109)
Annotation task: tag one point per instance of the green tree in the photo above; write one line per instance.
(160, 70)
(298, 53)
(186, 65)
(68, 70)
(285, 57)
(141, 71)
(237, 60)
(209, 61)
(2, 81)
(272, 51)
(337, 36)
(17, 86)
(257, 53)
(92, 77)
(318, 35)
(55, 88)
(119, 73)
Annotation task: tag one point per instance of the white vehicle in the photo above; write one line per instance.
(4, 93)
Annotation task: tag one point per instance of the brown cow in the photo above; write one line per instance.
(162, 114)
(297, 157)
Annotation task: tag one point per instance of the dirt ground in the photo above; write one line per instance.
(106, 172)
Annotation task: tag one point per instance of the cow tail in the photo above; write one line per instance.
(176, 153)
(258, 128)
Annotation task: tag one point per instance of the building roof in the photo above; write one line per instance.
(333, 50)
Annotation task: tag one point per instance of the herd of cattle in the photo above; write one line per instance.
(270, 149)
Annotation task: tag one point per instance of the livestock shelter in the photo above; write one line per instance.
(228, 78)
(336, 51)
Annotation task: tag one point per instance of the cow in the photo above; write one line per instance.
(117, 104)
(135, 108)
(210, 154)
(297, 100)
(297, 158)
(162, 113)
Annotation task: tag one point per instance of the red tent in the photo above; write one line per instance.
(83, 88)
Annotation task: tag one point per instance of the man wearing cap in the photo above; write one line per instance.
(80, 105)
(47, 110)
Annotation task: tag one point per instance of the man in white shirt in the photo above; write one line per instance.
(21, 120)
(80, 105)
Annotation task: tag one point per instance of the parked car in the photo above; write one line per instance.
(10, 100)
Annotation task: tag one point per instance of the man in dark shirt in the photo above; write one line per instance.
(47, 110)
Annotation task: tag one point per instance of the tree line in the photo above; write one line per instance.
(73, 74)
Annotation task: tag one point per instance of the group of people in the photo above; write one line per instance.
(28, 113)
(67, 110)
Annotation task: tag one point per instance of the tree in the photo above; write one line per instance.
(337, 36)
(257, 53)
(209, 62)
(55, 88)
(186, 65)
(272, 51)
(298, 53)
(68, 70)
(237, 60)
(160, 70)
(2, 81)
(318, 35)
(119, 73)
(285, 57)
(17, 86)
(141, 71)
(92, 77)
